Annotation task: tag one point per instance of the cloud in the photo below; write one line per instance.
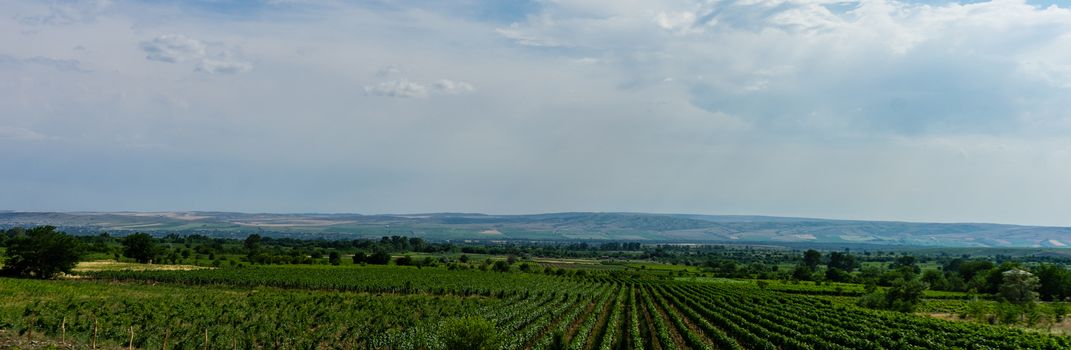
(451, 87)
(63, 65)
(876, 108)
(173, 48)
(408, 89)
(210, 59)
(397, 88)
(212, 66)
(20, 134)
(67, 12)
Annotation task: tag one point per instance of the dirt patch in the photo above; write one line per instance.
(1062, 328)
(109, 265)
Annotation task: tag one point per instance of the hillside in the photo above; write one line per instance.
(556, 226)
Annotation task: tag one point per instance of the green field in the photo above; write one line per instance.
(380, 307)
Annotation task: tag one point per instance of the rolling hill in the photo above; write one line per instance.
(556, 226)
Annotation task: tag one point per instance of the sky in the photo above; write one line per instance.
(944, 111)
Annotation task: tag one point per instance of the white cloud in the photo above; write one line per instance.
(173, 48)
(680, 22)
(397, 88)
(452, 87)
(20, 134)
(774, 106)
(408, 89)
(212, 66)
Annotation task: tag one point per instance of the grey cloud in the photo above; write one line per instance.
(20, 134)
(180, 48)
(173, 48)
(212, 66)
(68, 12)
(63, 65)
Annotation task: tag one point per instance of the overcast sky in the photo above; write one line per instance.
(875, 109)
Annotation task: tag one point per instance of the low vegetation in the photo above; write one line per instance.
(420, 295)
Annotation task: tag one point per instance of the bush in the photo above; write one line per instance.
(903, 296)
(41, 253)
(379, 258)
(141, 247)
(467, 333)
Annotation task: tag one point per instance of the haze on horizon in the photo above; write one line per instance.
(912, 110)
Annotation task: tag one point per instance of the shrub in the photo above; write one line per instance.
(469, 333)
(41, 253)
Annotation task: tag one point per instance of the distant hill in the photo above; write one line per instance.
(556, 226)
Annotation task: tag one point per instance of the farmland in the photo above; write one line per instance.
(405, 307)
(198, 292)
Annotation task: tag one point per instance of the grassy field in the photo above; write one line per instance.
(318, 306)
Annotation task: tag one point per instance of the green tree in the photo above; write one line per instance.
(935, 279)
(1055, 282)
(140, 246)
(469, 333)
(905, 295)
(252, 245)
(1019, 287)
(802, 273)
(359, 257)
(334, 258)
(811, 259)
(42, 252)
(843, 261)
(379, 258)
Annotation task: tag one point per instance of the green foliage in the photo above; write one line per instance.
(811, 259)
(1058, 311)
(41, 252)
(379, 258)
(501, 266)
(1055, 282)
(359, 258)
(1019, 287)
(380, 307)
(469, 333)
(903, 296)
(140, 246)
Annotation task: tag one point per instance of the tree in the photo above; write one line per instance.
(837, 275)
(1019, 287)
(334, 258)
(140, 247)
(905, 295)
(463, 258)
(359, 258)
(811, 259)
(1055, 282)
(404, 261)
(935, 279)
(252, 244)
(802, 273)
(379, 258)
(41, 252)
(501, 266)
(843, 261)
(469, 333)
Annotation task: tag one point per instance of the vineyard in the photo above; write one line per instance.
(404, 308)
